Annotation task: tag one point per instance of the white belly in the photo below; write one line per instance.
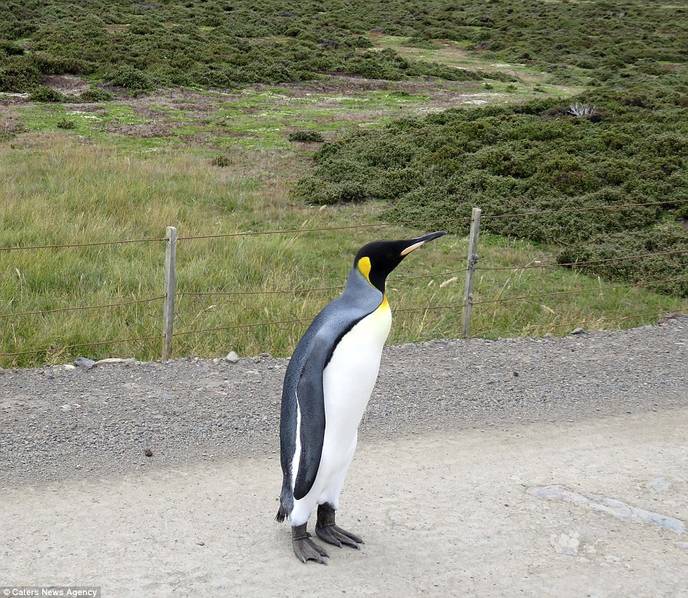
(349, 378)
(348, 382)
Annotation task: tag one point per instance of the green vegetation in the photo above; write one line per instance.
(260, 118)
(552, 110)
(221, 43)
(562, 172)
(216, 43)
(64, 190)
(306, 136)
(559, 164)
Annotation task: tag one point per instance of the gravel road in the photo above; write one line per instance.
(68, 423)
(525, 467)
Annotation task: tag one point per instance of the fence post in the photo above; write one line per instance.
(170, 291)
(470, 271)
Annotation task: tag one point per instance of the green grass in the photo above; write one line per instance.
(58, 190)
(458, 54)
(259, 118)
(131, 166)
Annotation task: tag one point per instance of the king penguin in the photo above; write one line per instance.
(326, 389)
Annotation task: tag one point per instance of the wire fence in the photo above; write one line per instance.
(171, 293)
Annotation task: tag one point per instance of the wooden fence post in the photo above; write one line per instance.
(170, 291)
(470, 271)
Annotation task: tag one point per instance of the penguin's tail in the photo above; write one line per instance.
(286, 502)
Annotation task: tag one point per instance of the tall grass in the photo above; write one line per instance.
(57, 190)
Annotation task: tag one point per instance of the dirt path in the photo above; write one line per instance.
(445, 514)
(550, 467)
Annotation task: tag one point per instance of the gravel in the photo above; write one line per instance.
(62, 423)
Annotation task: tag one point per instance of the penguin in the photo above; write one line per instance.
(327, 385)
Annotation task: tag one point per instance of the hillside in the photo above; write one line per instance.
(120, 118)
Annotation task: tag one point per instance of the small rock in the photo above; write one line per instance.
(578, 331)
(84, 362)
(69, 366)
(201, 543)
(115, 360)
(565, 544)
(148, 452)
(66, 407)
(659, 484)
(232, 357)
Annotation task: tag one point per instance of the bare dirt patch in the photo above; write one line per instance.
(144, 131)
(10, 125)
(68, 85)
(9, 99)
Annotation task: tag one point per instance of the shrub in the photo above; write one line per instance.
(11, 48)
(18, 75)
(306, 136)
(95, 94)
(560, 173)
(46, 94)
(130, 78)
(221, 161)
(65, 123)
(58, 65)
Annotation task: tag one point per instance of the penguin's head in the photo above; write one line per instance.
(376, 260)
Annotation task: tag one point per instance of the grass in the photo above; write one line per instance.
(59, 189)
(529, 80)
(255, 118)
(207, 94)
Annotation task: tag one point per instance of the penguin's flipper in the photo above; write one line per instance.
(311, 400)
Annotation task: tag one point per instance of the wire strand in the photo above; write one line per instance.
(282, 231)
(268, 292)
(113, 341)
(70, 245)
(568, 210)
(583, 263)
(242, 326)
(79, 308)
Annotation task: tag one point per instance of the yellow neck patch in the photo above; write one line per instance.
(364, 267)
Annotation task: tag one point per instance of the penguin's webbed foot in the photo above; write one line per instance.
(328, 532)
(304, 548)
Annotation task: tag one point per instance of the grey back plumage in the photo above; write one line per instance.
(303, 383)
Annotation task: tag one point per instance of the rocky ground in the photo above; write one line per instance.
(535, 467)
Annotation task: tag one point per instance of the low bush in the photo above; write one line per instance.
(130, 78)
(95, 94)
(221, 161)
(18, 76)
(65, 123)
(46, 94)
(306, 136)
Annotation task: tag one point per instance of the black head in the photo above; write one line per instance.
(377, 259)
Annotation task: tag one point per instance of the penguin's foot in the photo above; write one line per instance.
(328, 532)
(304, 548)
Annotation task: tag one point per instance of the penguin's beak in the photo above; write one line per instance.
(416, 243)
